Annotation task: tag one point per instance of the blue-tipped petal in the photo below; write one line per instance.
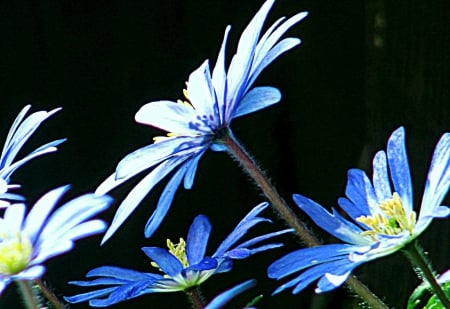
(168, 263)
(256, 99)
(304, 258)
(197, 239)
(164, 202)
(399, 167)
(360, 192)
(136, 195)
(438, 179)
(336, 226)
(381, 182)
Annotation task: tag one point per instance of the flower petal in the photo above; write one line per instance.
(256, 99)
(168, 263)
(169, 116)
(136, 195)
(197, 239)
(399, 167)
(332, 223)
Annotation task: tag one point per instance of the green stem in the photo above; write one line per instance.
(27, 294)
(237, 151)
(420, 263)
(196, 298)
(49, 295)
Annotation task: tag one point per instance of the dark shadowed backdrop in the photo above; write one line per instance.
(364, 68)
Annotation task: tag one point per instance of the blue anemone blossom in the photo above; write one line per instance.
(184, 264)
(20, 131)
(213, 100)
(27, 241)
(382, 212)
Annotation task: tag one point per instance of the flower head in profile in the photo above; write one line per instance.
(184, 265)
(21, 130)
(27, 241)
(381, 209)
(195, 124)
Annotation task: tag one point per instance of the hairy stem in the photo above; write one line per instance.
(237, 151)
(196, 298)
(28, 296)
(420, 263)
(49, 295)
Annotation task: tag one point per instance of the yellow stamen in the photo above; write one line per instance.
(15, 254)
(392, 220)
(178, 250)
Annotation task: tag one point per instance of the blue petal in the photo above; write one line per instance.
(197, 239)
(120, 273)
(153, 154)
(256, 99)
(223, 298)
(336, 226)
(89, 295)
(304, 258)
(168, 263)
(138, 193)
(380, 177)
(360, 192)
(268, 50)
(40, 212)
(201, 94)
(205, 264)
(191, 170)
(239, 69)
(164, 202)
(241, 229)
(438, 180)
(399, 167)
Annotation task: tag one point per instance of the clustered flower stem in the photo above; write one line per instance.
(416, 257)
(28, 296)
(237, 151)
(196, 298)
(49, 295)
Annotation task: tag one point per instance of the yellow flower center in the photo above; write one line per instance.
(178, 250)
(15, 254)
(392, 220)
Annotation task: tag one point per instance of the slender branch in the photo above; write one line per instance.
(196, 298)
(237, 151)
(49, 295)
(27, 294)
(420, 263)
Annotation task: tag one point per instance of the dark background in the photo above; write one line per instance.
(364, 68)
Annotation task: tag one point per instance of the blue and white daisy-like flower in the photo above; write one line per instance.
(384, 220)
(185, 264)
(27, 241)
(213, 100)
(21, 130)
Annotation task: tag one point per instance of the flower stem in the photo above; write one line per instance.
(237, 151)
(49, 295)
(27, 294)
(420, 263)
(196, 298)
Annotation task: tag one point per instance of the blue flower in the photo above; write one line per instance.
(194, 126)
(26, 242)
(383, 215)
(20, 132)
(184, 265)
